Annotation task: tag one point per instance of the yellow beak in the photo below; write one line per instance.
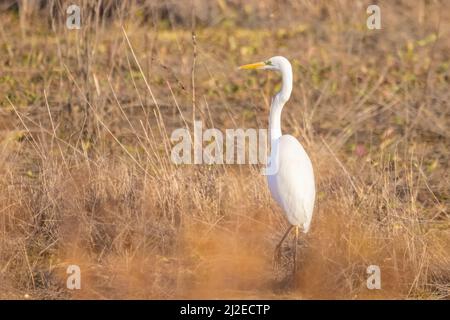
(256, 65)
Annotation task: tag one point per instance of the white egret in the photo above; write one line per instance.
(291, 180)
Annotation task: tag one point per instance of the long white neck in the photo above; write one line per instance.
(278, 102)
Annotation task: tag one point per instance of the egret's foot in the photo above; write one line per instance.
(295, 252)
(277, 257)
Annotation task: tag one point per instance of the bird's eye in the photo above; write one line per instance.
(268, 63)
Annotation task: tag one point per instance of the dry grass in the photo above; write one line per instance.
(86, 177)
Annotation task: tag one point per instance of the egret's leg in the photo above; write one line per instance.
(277, 254)
(295, 250)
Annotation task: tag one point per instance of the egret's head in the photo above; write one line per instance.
(274, 63)
(282, 65)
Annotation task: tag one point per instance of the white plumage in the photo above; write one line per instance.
(290, 175)
(293, 185)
